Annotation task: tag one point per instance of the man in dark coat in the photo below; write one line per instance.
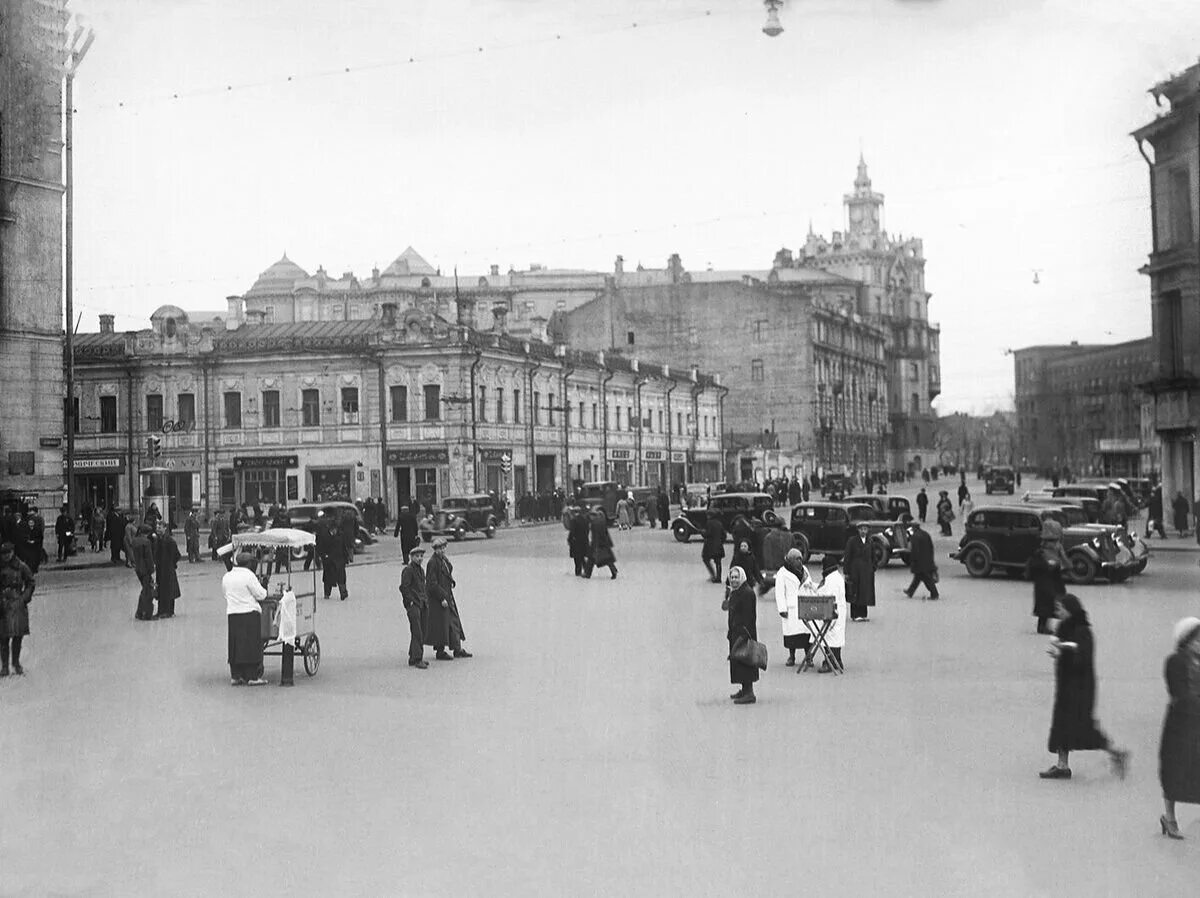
(16, 592)
(600, 553)
(332, 553)
(416, 605)
(578, 533)
(220, 534)
(114, 532)
(920, 559)
(349, 532)
(664, 508)
(407, 530)
(64, 532)
(859, 572)
(1179, 508)
(166, 560)
(714, 547)
(191, 536)
(444, 626)
(142, 557)
(1154, 518)
(29, 549)
(1045, 568)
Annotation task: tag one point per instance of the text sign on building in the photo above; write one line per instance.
(619, 454)
(266, 461)
(654, 455)
(418, 456)
(490, 453)
(1171, 410)
(50, 442)
(184, 463)
(106, 465)
(678, 457)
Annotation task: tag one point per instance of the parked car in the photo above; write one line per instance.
(1075, 515)
(1120, 484)
(824, 528)
(305, 516)
(1005, 536)
(605, 494)
(1000, 479)
(726, 506)
(459, 515)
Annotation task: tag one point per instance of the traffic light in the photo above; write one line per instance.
(153, 447)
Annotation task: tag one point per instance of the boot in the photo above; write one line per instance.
(746, 698)
(735, 696)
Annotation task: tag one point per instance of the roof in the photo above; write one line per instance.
(278, 278)
(410, 262)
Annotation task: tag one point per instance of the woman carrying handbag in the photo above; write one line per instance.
(742, 605)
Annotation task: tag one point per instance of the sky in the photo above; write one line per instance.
(211, 136)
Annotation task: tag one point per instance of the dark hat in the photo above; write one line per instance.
(830, 563)
(906, 518)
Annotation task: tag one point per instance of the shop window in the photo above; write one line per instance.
(349, 405)
(310, 408)
(270, 408)
(483, 404)
(186, 405)
(233, 410)
(154, 411)
(108, 414)
(433, 402)
(399, 404)
(499, 405)
(756, 371)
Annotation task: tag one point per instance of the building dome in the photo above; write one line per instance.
(279, 278)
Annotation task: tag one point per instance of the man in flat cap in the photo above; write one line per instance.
(444, 624)
(416, 605)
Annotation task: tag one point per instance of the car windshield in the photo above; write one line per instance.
(862, 513)
(592, 491)
(454, 503)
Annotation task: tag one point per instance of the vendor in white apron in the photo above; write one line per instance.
(834, 584)
(791, 581)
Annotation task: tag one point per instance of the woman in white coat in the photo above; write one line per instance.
(834, 584)
(791, 581)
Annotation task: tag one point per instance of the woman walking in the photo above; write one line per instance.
(1179, 751)
(623, 513)
(1045, 568)
(714, 548)
(742, 605)
(601, 554)
(1073, 727)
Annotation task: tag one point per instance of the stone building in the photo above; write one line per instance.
(1171, 147)
(1080, 407)
(32, 34)
(403, 404)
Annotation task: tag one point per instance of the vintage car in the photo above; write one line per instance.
(891, 508)
(459, 515)
(605, 494)
(824, 528)
(726, 506)
(1075, 515)
(304, 516)
(837, 484)
(1003, 537)
(1000, 479)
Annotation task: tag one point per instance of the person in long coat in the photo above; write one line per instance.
(443, 623)
(16, 592)
(29, 549)
(407, 529)
(332, 552)
(578, 532)
(664, 507)
(1045, 568)
(920, 559)
(744, 557)
(131, 532)
(191, 536)
(114, 534)
(601, 550)
(624, 518)
(714, 547)
(142, 555)
(945, 512)
(348, 526)
(64, 533)
(219, 535)
(859, 573)
(791, 581)
(1073, 728)
(415, 596)
(742, 606)
(922, 504)
(1179, 749)
(834, 584)
(1179, 507)
(96, 529)
(166, 560)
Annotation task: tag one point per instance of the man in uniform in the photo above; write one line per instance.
(416, 606)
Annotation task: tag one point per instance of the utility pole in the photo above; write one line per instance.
(81, 42)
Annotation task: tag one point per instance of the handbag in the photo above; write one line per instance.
(749, 651)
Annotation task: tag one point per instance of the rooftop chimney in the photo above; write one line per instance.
(495, 269)
(500, 318)
(675, 267)
(619, 267)
(234, 318)
(106, 323)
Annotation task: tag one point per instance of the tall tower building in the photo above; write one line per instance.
(32, 38)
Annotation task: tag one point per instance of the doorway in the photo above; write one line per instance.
(544, 472)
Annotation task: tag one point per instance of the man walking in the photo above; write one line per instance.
(922, 504)
(332, 553)
(920, 559)
(406, 529)
(445, 625)
(578, 534)
(416, 606)
(114, 533)
(191, 535)
(664, 508)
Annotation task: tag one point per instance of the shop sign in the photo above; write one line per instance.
(1117, 445)
(491, 453)
(418, 456)
(619, 454)
(177, 462)
(106, 465)
(266, 461)
(50, 442)
(678, 457)
(654, 455)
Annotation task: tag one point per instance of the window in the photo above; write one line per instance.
(915, 404)
(483, 403)
(516, 406)
(310, 408)
(499, 406)
(74, 422)
(186, 404)
(550, 410)
(108, 414)
(760, 329)
(433, 402)
(1170, 332)
(349, 405)
(270, 408)
(1180, 205)
(756, 371)
(629, 337)
(629, 419)
(233, 409)
(399, 404)
(679, 422)
(537, 412)
(706, 425)
(913, 371)
(582, 423)
(154, 411)
(269, 314)
(595, 416)
(660, 424)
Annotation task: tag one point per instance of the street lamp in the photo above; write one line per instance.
(773, 28)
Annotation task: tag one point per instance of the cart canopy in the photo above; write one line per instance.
(275, 538)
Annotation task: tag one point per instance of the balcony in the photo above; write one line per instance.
(1176, 257)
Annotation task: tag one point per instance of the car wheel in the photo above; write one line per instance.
(682, 533)
(800, 541)
(490, 532)
(978, 561)
(879, 554)
(458, 533)
(1083, 569)
(1140, 566)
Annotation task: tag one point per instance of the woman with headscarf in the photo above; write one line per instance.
(243, 591)
(742, 605)
(1179, 750)
(1045, 568)
(714, 547)
(744, 557)
(834, 584)
(1073, 727)
(791, 581)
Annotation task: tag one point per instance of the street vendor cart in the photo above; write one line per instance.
(289, 613)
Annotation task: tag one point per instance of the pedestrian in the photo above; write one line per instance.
(805, 490)
(945, 512)
(416, 605)
(922, 504)
(623, 513)
(713, 550)
(859, 573)
(114, 534)
(601, 550)
(1179, 506)
(166, 561)
(444, 623)
(348, 527)
(368, 511)
(16, 592)
(1073, 727)
(742, 607)
(407, 530)
(96, 529)
(963, 493)
(744, 557)
(243, 592)
(142, 555)
(29, 549)
(791, 581)
(834, 584)
(332, 553)
(1045, 568)
(1154, 514)
(1179, 748)
(664, 508)
(920, 559)
(191, 536)
(220, 534)
(966, 506)
(131, 530)
(578, 533)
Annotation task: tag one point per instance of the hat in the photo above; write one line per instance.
(416, 550)
(439, 542)
(830, 563)
(1184, 629)
(1051, 530)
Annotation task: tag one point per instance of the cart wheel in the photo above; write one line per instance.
(312, 654)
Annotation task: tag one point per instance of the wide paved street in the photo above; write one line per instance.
(589, 747)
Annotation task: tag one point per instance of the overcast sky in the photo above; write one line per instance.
(213, 135)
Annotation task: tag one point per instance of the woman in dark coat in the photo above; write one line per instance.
(714, 548)
(1073, 727)
(1045, 568)
(1179, 506)
(1179, 751)
(743, 557)
(742, 605)
(166, 558)
(602, 554)
(578, 531)
(859, 571)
